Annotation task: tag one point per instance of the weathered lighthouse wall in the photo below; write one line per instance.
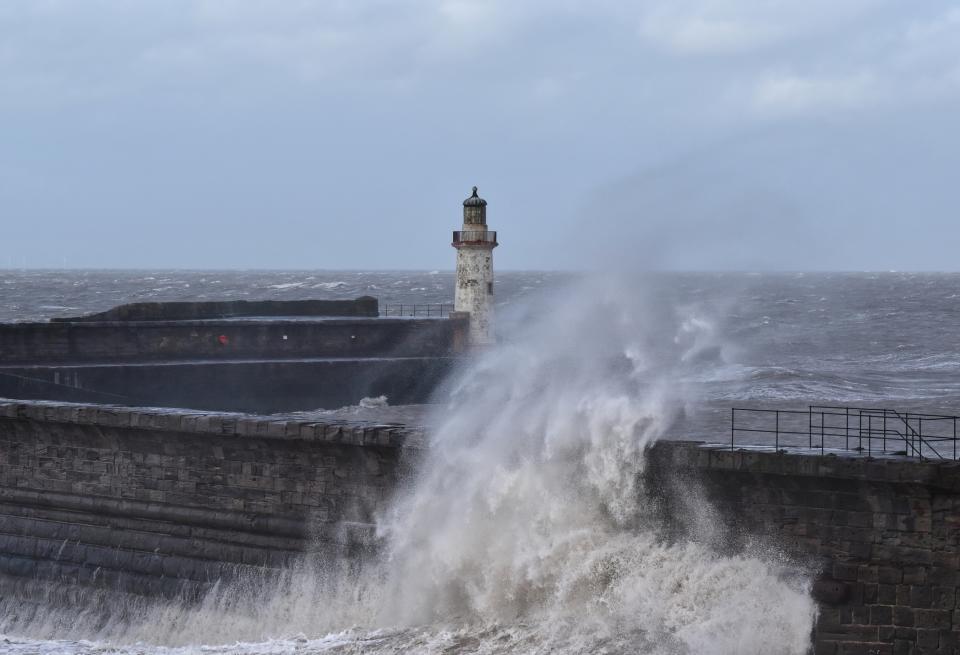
(159, 502)
(474, 291)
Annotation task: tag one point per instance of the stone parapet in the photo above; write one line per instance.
(228, 424)
(881, 534)
(171, 501)
(159, 501)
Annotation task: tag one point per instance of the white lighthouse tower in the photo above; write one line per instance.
(474, 293)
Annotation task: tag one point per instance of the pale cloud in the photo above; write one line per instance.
(784, 58)
(928, 55)
(782, 95)
(918, 62)
(704, 35)
(718, 27)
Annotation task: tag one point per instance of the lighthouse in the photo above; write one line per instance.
(474, 292)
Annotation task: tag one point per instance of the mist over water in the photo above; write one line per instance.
(527, 527)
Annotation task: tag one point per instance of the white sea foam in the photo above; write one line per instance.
(283, 286)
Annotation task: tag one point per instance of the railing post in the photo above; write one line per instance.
(733, 412)
(869, 436)
(920, 434)
(907, 433)
(860, 430)
(884, 430)
(846, 430)
(776, 438)
(821, 431)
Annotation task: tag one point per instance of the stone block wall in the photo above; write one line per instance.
(161, 502)
(883, 534)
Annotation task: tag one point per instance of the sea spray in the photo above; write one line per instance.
(528, 507)
(527, 527)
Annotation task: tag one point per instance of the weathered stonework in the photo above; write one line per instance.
(473, 293)
(167, 502)
(884, 535)
(158, 502)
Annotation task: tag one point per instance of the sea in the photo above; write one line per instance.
(788, 340)
(524, 531)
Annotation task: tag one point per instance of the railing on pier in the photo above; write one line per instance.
(474, 237)
(865, 430)
(428, 310)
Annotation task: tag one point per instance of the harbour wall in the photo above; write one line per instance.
(260, 365)
(265, 386)
(883, 534)
(31, 344)
(189, 310)
(169, 502)
(158, 502)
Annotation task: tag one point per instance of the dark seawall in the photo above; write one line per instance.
(156, 502)
(252, 364)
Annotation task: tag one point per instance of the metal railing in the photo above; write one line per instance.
(868, 431)
(439, 310)
(478, 236)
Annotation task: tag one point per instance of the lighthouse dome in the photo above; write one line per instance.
(474, 200)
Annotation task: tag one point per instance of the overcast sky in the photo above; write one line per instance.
(696, 134)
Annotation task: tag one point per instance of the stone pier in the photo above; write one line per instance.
(158, 501)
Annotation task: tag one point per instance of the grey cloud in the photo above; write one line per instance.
(321, 134)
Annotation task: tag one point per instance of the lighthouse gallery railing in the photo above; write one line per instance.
(474, 236)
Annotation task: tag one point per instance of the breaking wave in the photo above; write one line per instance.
(527, 527)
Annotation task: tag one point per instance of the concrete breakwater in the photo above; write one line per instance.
(203, 356)
(158, 502)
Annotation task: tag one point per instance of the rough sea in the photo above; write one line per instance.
(525, 531)
(784, 340)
